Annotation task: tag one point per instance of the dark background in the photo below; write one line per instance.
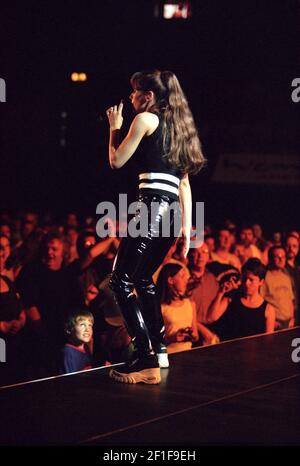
(235, 61)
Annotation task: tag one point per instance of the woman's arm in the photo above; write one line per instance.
(217, 307)
(270, 318)
(221, 302)
(120, 153)
(185, 197)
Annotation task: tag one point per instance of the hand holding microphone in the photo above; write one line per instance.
(114, 115)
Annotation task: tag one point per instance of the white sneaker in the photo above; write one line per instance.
(163, 360)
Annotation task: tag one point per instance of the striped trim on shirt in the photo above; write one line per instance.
(159, 181)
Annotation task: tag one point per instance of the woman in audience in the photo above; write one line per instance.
(179, 312)
(244, 311)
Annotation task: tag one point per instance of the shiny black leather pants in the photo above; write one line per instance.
(136, 261)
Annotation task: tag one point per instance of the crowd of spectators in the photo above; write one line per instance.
(58, 314)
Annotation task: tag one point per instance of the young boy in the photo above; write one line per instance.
(76, 353)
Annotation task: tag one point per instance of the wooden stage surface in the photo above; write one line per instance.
(242, 392)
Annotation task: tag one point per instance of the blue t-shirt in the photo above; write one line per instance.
(75, 359)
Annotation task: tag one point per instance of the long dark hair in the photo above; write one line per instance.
(164, 291)
(180, 137)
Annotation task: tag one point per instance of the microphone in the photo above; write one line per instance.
(102, 118)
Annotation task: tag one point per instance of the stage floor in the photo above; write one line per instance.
(242, 392)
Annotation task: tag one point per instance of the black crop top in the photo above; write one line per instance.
(156, 175)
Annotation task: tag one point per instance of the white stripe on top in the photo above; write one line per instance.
(160, 176)
(162, 186)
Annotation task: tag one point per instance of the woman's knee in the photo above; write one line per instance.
(145, 285)
(121, 284)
